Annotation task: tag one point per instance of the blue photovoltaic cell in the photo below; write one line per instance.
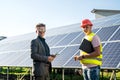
(73, 63)
(2, 57)
(4, 46)
(109, 22)
(56, 39)
(78, 39)
(116, 35)
(17, 59)
(48, 39)
(28, 45)
(19, 45)
(56, 50)
(14, 58)
(106, 32)
(98, 24)
(67, 53)
(117, 23)
(68, 39)
(25, 61)
(95, 30)
(111, 55)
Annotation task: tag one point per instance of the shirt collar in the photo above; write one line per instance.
(43, 39)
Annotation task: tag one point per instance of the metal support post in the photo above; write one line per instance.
(62, 74)
(8, 73)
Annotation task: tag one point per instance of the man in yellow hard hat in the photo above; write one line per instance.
(90, 52)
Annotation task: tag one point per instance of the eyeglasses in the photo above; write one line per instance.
(42, 31)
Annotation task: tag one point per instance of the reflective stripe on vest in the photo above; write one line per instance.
(97, 60)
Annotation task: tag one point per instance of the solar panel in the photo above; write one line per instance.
(106, 32)
(111, 56)
(56, 50)
(48, 39)
(61, 59)
(116, 36)
(25, 62)
(4, 46)
(73, 63)
(15, 51)
(19, 45)
(110, 22)
(98, 24)
(12, 58)
(67, 39)
(2, 57)
(78, 39)
(56, 39)
(107, 21)
(95, 30)
(117, 22)
(17, 59)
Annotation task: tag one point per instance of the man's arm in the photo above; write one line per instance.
(93, 54)
(36, 56)
(96, 45)
(34, 52)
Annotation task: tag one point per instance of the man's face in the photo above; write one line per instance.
(87, 29)
(41, 31)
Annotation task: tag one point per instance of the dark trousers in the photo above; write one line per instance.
(44, 77)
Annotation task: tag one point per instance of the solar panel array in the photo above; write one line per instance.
(107, 35)
(15, 51)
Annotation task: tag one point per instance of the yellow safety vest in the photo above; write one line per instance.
(95, 61)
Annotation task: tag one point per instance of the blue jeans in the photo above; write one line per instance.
(92, 73)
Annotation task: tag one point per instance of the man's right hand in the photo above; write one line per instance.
(51, 58)
(77, 58)
(53, 55)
